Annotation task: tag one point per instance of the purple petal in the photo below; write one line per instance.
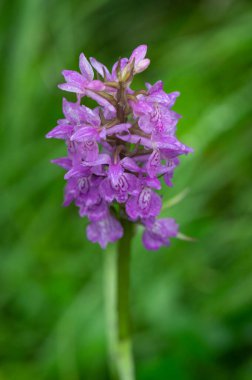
(153, 163)
(72, 111)
(62, 131)
(135, 139)
(138, 53)
(95, 212)
(154, 183)
(73, 77)
(90, 150)
(124, 127)
(126, 184)
(102, 159)
(145, 123)
(100, 100)
(171, 147)
(70, 192)
(144, 200)
(64, 162)
(156, 87)
(133, 184)
(156, 204)
(123, 62)
(96, 85)
(90, 116)
(115, 171)
(100, 68)
(85, 133)
(129, 164)
(142, 65)
(77, 171)
(140, 107)
(85, 68)
(167, 178)
(150, 242)
(157, 94)
(104, 231)
(146, 204)
(157, 234)
(106, 190)
(71, 88)
(132, 208)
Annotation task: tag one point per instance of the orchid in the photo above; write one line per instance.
(117, 154)
(118, 151)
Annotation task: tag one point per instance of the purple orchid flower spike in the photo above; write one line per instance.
(118, 151)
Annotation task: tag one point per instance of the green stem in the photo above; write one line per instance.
(117, 285)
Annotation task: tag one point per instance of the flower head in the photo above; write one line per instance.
(118, 151)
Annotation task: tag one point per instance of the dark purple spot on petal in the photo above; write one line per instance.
(83, 185)
(144, 199)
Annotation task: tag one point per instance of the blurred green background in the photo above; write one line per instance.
(192, 302)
